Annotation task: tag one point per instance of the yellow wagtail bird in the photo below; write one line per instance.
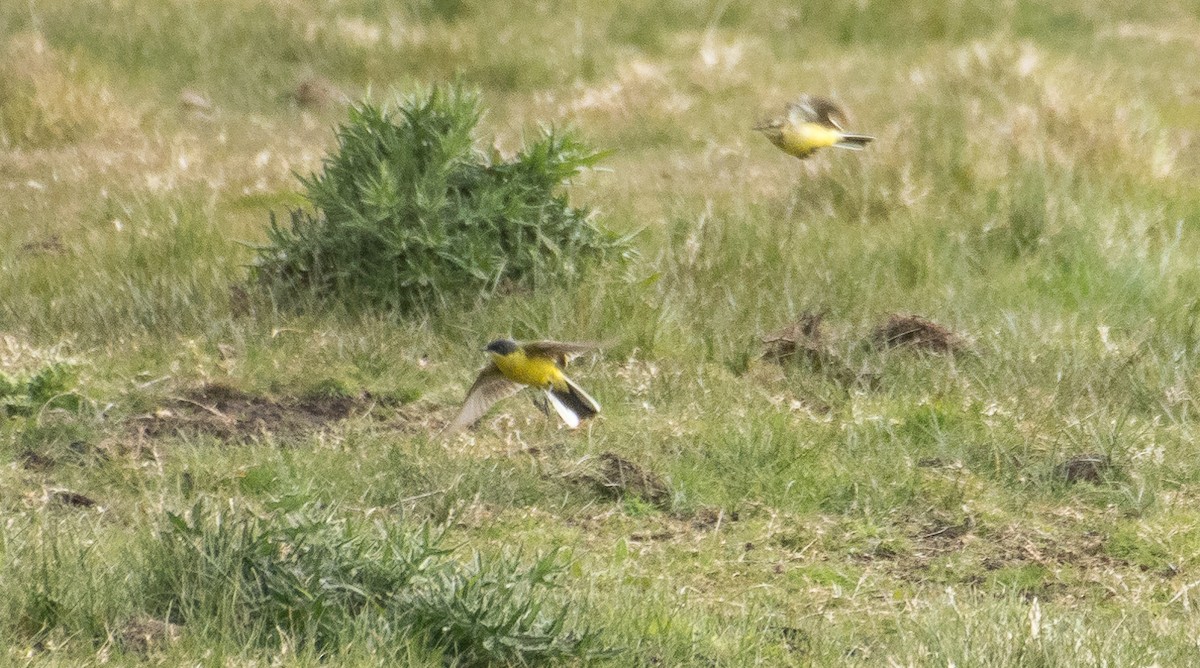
(536, 364)
(808, 124)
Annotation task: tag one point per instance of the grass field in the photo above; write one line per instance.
(194, 474)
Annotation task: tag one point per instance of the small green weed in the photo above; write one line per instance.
(51, 386)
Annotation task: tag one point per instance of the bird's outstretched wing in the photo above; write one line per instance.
(802, 110)
(559, 351)
(489, 387)
(769, 124)
(815, 109)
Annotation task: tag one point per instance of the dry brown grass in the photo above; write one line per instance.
(48, 98)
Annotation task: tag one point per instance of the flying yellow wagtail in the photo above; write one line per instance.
(808, 124)
(536, 364)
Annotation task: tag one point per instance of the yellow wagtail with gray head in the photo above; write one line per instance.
(808, 124)
(536, 364)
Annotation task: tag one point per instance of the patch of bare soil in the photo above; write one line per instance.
(917, 332)
(51, 245)
(652, 536)
(420, 417)
(68, 498)
(77, 453)
(316, 93)
(1015, 546)
(707, 518)
(240, 303)
(539, 450)
(1085, 468)
(802, 339)
(141, 635)
(232, 415)
(1008, 547)
(805, 340)
(614, 476)
(31, 460)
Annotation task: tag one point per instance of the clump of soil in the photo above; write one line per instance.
(232, 415)
(77, 453)
(315, 92)
(143, 634)
(31, 460)
(1085, 468)
(614, 476)
(705, 518)
(916, 332)
(51, 245)
(800, 339)
(240, 303)
(68, 498)
(804, 340)
(944, 530)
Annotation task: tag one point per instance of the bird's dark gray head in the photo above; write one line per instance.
(502, 347)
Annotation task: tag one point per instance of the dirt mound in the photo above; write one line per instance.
(68, 498)
(232, 415)
(316, 92)
(802, 338)
(51, 245)
(1085, 468)
(78, 453)
(706, 518)
(916, 332)
(143, 635)
(614, 476)
(32, 460)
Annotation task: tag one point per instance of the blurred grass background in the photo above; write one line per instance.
(1032, 187)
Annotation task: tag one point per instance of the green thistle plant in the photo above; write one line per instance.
(409, 214)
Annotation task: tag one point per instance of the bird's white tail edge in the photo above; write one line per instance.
(574, 405)
(565, 413)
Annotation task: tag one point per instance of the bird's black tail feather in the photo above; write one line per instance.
(854, 142)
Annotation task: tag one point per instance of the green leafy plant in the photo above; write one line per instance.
(489, 613)
(49, 386)
(317, 578)
(408, 213)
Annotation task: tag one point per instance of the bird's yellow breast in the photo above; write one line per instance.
(801, 139)
(536, 371)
